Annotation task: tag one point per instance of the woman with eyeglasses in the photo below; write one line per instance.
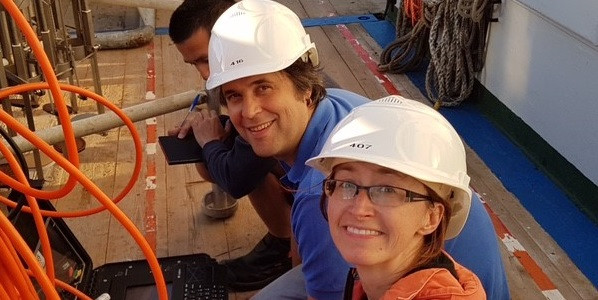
(396, 188)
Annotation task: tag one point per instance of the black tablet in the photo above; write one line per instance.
(180, 151)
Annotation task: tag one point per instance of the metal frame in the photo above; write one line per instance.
(65, 45)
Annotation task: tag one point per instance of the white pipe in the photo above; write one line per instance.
(169, 5)
(109, 120)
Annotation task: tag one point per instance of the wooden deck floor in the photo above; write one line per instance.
(173, 208)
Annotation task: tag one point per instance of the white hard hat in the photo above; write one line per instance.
(256, 37)
(406, 136)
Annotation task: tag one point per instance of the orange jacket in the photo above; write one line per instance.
(433, 283)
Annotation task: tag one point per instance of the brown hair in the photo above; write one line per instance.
(304, 76)
(434, 242)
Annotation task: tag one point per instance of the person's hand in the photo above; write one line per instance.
(182, 130)
(174, 131)
(207, 127)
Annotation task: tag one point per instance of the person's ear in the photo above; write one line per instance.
(307, 97)
(432, 219)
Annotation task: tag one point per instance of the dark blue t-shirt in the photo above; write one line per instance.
(234, 166)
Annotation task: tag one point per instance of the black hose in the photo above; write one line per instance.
(15, 195)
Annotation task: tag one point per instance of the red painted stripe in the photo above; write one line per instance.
(543, 282)
(541, 279)
(151, 167)
(532, 268)
(151, 69)
(151, 132)
(367, 59)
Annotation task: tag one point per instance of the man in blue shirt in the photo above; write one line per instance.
(230, 162)
(265, 69)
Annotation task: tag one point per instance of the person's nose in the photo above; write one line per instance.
(251, 107)
(204, 71)
(362, 204)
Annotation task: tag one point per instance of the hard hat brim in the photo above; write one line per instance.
(460, 203)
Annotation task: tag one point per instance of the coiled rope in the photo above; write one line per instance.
(410, 48)
(451, 34)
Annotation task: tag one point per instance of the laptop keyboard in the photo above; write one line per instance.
(204, 282)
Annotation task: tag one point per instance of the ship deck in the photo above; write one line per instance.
(166, 202)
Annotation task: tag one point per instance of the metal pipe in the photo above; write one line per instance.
(131, 38)
(169, 5)
(125, 39)
(110, 120)
(86, 35)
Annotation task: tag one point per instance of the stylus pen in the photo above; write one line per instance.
(193, 105)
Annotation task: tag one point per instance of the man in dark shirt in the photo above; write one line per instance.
(229, 161)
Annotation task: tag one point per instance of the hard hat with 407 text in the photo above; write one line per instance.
(406, 136)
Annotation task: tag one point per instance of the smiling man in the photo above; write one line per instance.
(266, 69)
(269, 113)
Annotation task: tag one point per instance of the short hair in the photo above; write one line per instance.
(304, 76)
(193, 15)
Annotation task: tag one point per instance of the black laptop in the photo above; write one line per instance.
(195, 276)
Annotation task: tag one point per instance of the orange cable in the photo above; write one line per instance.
(49, 75)
(8, 266)
(56, 156)
(15, 264)
(71, 166)
(67, 287)
(3, 294)
(413, 10)
(29, 258)
(39, 222)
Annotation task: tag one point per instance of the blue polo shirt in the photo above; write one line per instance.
(325, 271)
(323, 267)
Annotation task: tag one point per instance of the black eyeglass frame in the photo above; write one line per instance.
(411, 196)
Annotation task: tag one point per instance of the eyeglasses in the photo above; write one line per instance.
(382, 195)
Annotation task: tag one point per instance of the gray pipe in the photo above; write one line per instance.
(110, 120)
(169, 5)
(125, 39)
(131, 38)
